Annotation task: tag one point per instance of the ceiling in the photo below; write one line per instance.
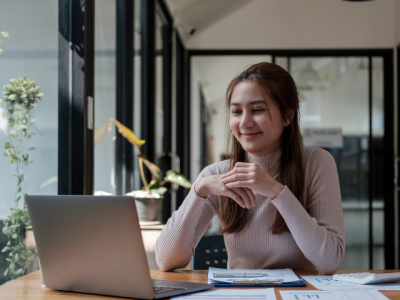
(200, 14)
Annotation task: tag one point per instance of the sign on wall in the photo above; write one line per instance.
(323, 137)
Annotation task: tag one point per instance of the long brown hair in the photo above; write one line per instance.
(280, 86)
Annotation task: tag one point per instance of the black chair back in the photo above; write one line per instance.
(210, 252)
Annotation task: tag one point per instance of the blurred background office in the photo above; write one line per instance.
(161, 67)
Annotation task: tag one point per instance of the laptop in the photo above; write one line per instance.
(93, 244)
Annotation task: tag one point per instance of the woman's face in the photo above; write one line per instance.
(255, 120)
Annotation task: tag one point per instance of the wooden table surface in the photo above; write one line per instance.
(29, 288)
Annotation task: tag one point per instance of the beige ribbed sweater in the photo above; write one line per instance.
(316, 238)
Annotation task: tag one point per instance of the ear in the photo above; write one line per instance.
(289, 119)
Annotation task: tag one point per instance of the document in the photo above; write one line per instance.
(216, 275)
(327, 283)
(333, 295)
(231, 294)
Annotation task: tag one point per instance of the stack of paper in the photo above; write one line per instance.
(216, 275)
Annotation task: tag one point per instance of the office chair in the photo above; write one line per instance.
(210, 252)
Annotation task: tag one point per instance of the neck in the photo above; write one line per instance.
(269, 163)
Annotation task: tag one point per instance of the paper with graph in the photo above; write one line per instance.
(216, 275)
(231, 294)
(332, 295)
(327, 283)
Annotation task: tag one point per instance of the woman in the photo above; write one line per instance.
(279, 203)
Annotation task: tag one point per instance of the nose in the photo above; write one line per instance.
(247, 119)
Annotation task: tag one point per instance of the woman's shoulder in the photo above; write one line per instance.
(317, 157)
(220, 167)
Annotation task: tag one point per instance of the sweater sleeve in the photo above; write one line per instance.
(319, 230)
(180, 236)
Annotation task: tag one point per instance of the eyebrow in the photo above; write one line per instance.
(252, 102)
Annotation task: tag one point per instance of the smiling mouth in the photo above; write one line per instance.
(250, 134)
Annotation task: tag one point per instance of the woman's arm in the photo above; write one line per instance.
(319, 230)
(180, 236)
(183, 231)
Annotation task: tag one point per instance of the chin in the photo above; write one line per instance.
(251, 149)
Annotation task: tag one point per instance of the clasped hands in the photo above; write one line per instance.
(239, 184)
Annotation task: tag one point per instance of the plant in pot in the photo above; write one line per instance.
(149, 199)
(18, 100)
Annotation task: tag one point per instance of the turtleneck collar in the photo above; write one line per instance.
(268, 163)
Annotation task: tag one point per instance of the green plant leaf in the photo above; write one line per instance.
(19, 271)
(7, 145)
(154, 184)
(178, 178)
(160, 191)
(155, 171)
(31, 148)
(128, 134)
(5, 34)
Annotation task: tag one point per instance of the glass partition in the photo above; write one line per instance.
(31, 49)
(378, 131)
(334, 94)
(105, 94)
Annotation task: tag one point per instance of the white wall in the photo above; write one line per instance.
(305, 24)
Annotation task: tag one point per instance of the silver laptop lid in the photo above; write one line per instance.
(90, 244)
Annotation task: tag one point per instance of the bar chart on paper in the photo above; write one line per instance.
(231, 294)
(332, 295)
(327, 283)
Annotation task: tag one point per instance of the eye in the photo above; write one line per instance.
(256, 110)
(235, 111)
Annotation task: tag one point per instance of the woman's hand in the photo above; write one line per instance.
(249, 175)
(212, 185)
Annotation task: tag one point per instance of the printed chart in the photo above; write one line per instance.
(332, 295)
(327, 283)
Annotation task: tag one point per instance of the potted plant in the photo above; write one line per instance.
(149, 199)
(18, 100)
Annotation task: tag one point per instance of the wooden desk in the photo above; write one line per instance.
(29, 288)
